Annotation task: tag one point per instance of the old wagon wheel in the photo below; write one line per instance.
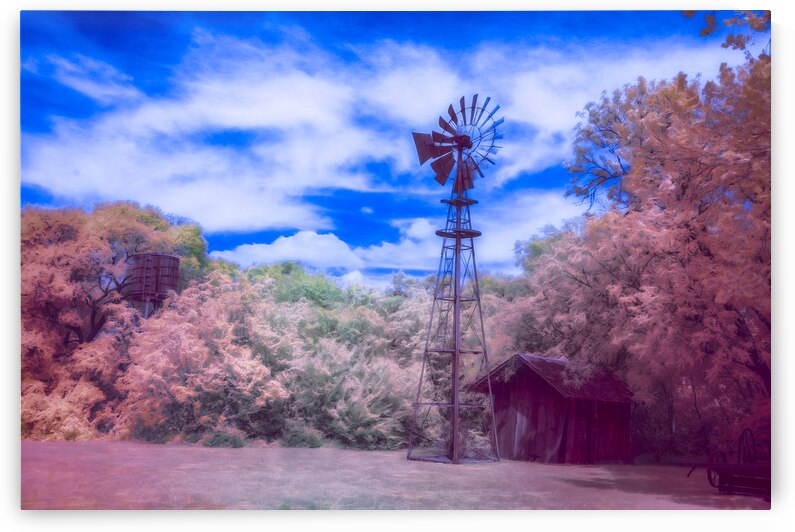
(712, 476)
(747, 447)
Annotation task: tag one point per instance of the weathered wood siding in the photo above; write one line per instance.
(536, 423)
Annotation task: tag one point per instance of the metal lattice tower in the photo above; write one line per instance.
(451, 422)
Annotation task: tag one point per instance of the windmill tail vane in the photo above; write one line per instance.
(453, 418)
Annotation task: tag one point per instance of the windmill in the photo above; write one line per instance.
(452, 423)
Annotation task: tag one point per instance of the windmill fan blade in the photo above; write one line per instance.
(463, 179)
(451, 112)
(442, 167)
(474, 107)
(468, 177)
(438, 138)
(485, 104)
(463, 104)
(447, 127)
(498, 122)
(492, 113)
(438, 151)
(484, 154)
(491, 134)
(439, 164)
(441, 177)
(476, 167)
(424, 144)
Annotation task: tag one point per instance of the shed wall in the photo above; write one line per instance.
(536, 423)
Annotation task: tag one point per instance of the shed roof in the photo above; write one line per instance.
(601, 385)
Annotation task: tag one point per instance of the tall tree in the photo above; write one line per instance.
(671, 285)
(75, 324)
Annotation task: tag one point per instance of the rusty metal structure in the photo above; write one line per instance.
(750, 473)
(451, 421)
(152, 277)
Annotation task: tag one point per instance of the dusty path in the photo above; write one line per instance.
(124, 475)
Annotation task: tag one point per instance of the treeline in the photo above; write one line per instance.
(667, 284)
(270, 353)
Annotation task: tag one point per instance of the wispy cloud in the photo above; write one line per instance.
(95, 79)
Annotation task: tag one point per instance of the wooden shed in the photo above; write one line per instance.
(542, 415)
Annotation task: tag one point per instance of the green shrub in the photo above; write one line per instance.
(298, 434)
(266, 423)
(193, 437)
(391, 304)
(222, 439)
(293, 283)
(323, 325)
(150, 433)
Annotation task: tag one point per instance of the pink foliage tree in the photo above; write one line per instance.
(75, 323)
(190, 373)
(671, 285)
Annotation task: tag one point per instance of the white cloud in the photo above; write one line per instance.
(542, 89)
(353, 278)
(415, 229)
(406, 254)
(315, 250)
(410, 84)
(97, 80)
(417, 248)
(518, 217)
(30, 64)
(367, 281)
(312, 122)
(502, 223)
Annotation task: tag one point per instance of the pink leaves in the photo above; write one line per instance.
(671, 285)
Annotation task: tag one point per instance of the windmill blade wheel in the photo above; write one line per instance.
(467, 138)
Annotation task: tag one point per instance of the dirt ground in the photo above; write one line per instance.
(125, 475)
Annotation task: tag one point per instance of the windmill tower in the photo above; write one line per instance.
(451, 422)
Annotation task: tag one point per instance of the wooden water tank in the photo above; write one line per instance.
(153, 275)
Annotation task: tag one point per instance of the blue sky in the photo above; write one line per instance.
(287, 136)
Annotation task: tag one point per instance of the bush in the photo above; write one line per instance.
(268, 423)
(293, 283)
(298, 434)
(222, 439)
(150, 432)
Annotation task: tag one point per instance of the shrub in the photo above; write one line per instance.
(298, 434)
(223, 439)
